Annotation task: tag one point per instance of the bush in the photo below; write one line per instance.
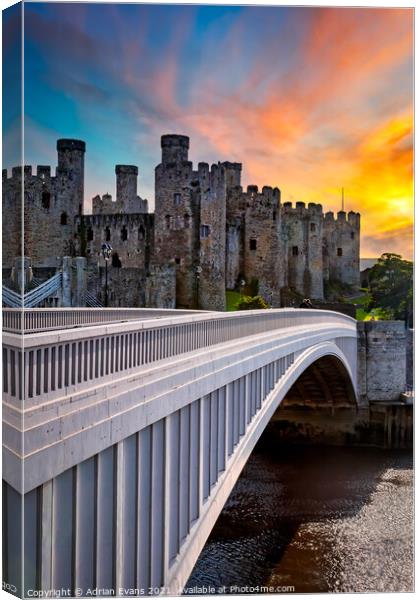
(251, 303)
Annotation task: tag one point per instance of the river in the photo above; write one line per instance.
(320, 519)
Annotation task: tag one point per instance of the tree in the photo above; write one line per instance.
(248, 303)
(391, 286)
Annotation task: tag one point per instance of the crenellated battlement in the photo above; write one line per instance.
(214, 231)
(301, 209)
(353, 218)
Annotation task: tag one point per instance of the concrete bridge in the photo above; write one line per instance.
(137, 424)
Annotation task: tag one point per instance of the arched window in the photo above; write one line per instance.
(89, 234)
(252, 244)
(187, 221)
(107, 234)
(295, 251)
(141, 233)
(168, 222)
(63, 218)
(124, 234)
(46, 199)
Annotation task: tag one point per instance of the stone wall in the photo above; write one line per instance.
(303, 233)
(130, 235)
(382, 360)
(212, 276)
(51, 204)
(177, 207)
(127, 201)
(262, 244)
(342, 248)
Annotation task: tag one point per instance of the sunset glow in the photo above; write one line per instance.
(308, 99)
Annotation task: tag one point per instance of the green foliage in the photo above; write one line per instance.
(251, 303)
(251, 288)
(335, 290)
(232, 299)
(391, 287)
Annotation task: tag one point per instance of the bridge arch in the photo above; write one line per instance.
(327, 354)
(147, 422)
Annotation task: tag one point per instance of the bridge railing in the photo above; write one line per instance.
(55, 363)
(17, 320)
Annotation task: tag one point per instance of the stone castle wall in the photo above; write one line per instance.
(206, 229)
(130, 235)
(262, 249)
(342, 247)
(303, 234)
(51, 204)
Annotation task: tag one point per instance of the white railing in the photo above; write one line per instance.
(37, 320)
(59, 362)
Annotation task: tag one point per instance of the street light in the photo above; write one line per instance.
(106, 253)
(198, 270)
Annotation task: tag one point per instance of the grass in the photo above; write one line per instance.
(232, 298)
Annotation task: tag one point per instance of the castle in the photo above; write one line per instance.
(207, 233)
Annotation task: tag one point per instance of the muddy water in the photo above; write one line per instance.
(318, 519)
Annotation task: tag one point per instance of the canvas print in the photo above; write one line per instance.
(207, 290)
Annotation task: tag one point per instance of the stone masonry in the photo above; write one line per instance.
(207, 234)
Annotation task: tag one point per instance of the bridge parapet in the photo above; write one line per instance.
(54, 363)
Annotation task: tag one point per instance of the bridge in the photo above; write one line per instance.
(137, 424)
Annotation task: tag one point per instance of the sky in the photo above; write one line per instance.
(310, 100)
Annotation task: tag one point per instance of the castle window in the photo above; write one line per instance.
(107, 234)
(339, 251)
(313, 226)
(168, 222)
(45, 199)
(177, 199)
(295, 251)
(116, 260)
(63, 218)
(124, 234)
(274, 215)
(90, 234)
(177, 261)
(352, 235)
(141, 232)
(252, 244)
(204, 231)
(187, 221)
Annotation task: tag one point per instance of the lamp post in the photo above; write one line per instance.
(106, 253)
(241, 286)
(198, 270)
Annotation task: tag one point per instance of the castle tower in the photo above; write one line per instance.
(303, 232)
(71, 169)
(126, 184)
(51, 205)
(342, 247)
(174, 148)
(177, 214)
(212, 277)
(263, 248)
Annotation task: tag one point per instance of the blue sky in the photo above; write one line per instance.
(308, 99)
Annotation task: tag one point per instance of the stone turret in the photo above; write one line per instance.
(303, 233)
(174, 148)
